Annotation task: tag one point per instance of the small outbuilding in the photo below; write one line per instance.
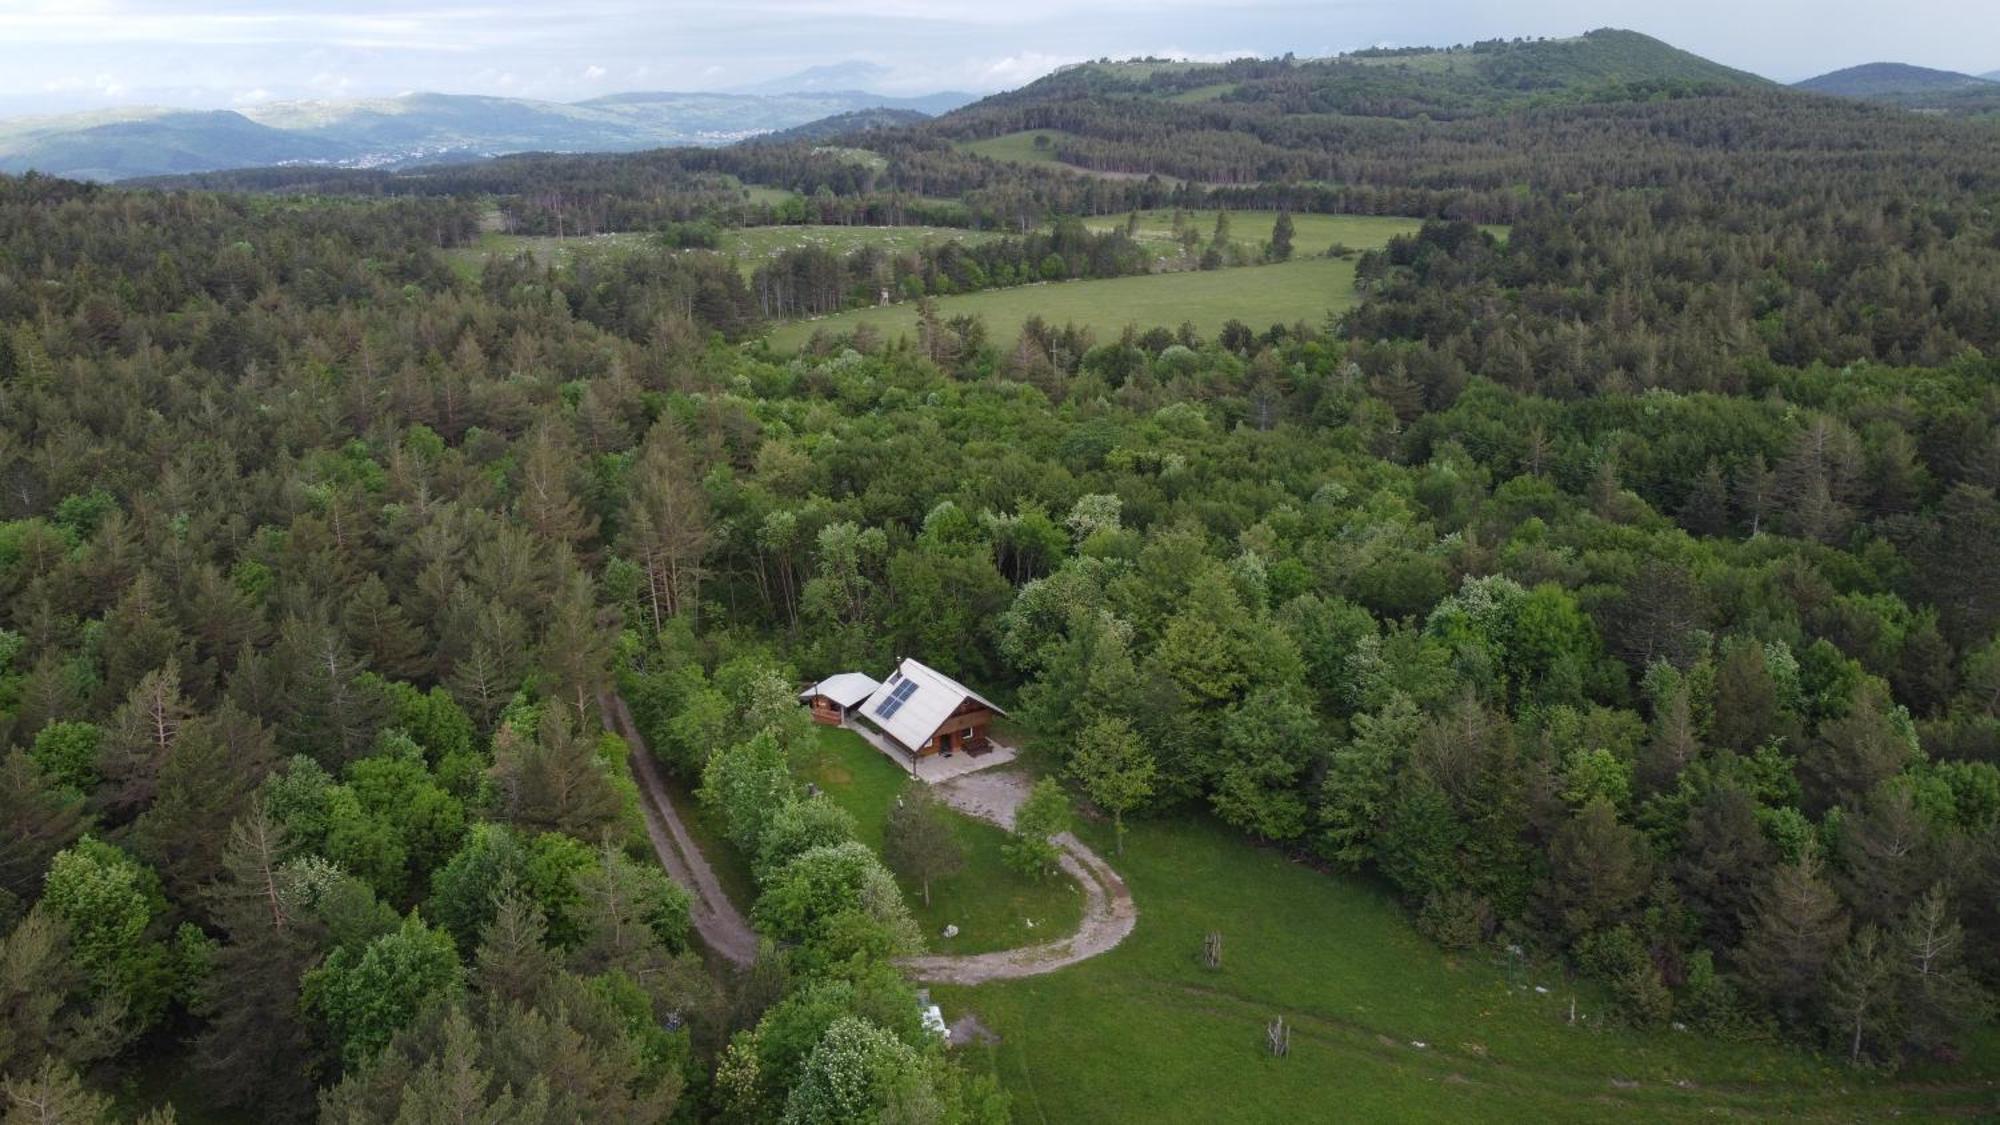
(834, 699)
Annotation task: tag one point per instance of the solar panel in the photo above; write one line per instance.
(887, 708)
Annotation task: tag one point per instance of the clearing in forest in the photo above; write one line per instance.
(1307, 289)
(1386, 1026)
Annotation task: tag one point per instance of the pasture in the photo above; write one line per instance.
(1305, 289)
(1250, 230)
(1017, 148)
(1386, 1026)
(751, 246)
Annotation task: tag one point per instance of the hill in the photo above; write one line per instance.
(843, 124)
(1250, 120)
(1882, 79)
(153, 142)
(414, 129)
(1403, 82)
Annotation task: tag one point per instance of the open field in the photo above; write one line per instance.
(1017, 148)
(750, 245)
(1207, 93)
(758, 193)
(1386, 1026)
(1306, 289)
(1311, 234)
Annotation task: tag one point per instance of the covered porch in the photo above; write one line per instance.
(934, 768)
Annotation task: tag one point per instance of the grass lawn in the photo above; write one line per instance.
(1260, 296)
(1386, 1026)
(988, 901)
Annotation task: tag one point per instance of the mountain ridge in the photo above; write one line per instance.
(413, 129)
(1880, 79)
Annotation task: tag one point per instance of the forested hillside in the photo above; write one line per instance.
(1615, 589)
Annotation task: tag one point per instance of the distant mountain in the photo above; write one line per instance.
(1884, 79)
(1991, 76)
(114, 146)
(413, 129)
(852, 75)
(843, 124)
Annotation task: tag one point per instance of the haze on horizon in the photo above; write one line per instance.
(65, 55)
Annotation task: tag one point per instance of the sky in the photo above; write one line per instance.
(65, 55)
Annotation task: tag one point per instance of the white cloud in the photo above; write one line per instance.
(593, 72)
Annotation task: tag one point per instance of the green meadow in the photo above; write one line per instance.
(1306, 289)
(1385, 1025)
(751, 246)
(1017, 148)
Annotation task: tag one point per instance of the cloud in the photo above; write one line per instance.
(593, 72)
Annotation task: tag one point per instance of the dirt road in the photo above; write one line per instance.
(1108, 912)
(721, 925)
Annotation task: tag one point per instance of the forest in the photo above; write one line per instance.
(1619, 590)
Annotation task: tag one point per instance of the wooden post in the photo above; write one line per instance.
(1211, 950)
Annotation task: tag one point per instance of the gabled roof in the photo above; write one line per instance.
(846, 689)
(915, 701)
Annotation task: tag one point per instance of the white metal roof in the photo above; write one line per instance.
(846, 689)
(917, 699)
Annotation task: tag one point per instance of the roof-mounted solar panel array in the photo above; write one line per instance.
(888, 707)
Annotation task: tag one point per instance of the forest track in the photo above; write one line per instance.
(1109, 914)
(1108, 911)
(722, 927)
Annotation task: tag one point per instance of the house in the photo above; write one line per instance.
(834, 699)
(926, 712)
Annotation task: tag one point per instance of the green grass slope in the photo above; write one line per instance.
(1386, 1027)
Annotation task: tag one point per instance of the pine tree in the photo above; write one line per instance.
(1940, 999)
(1795, 930)
(140, 736)
(554, 781)
(666, 524)
(1281, 238)
(37, 820)
(1723, 859)
(53, 1095)
(1861, 995)
(256, 1051)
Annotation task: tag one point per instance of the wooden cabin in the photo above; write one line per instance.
(834, 699)
(927, 712)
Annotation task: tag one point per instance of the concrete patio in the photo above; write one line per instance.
(936, 767)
